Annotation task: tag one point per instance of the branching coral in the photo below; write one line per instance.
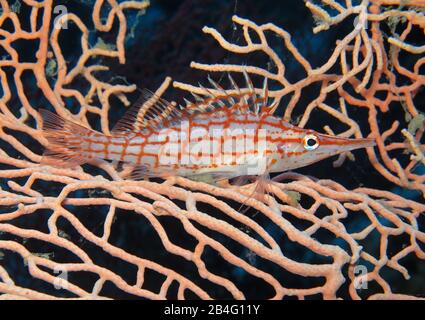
(365, 72)
(87, 233)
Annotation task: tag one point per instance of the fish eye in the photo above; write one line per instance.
(310, 142)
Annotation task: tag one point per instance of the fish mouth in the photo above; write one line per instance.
(361, 143)
(339, 144)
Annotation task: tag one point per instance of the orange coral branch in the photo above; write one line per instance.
(299, 209)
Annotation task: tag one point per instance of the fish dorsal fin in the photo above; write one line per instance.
(152, 111)
(239, 101)
(149, 111)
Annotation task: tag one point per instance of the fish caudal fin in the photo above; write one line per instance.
(66, 141)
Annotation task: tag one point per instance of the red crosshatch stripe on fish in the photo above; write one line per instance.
(138, 138)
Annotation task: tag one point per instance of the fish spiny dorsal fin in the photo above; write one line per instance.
(206, 104)
(234, 84)
(265, 99)
(211, 102)
(223, 94)
(249, 83)
(236, 88)
(256, 107)
(265, 92)
(221, 90)
(198, 98)
(238, 101)
(149, 111)
(187, 102)
(217, 86)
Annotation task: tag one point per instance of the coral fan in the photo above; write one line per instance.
(86, 232)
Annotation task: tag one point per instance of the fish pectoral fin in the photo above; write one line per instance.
(262, 192)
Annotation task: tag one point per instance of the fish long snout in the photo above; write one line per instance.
(338, 144)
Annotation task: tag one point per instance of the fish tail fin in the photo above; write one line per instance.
(66, 141)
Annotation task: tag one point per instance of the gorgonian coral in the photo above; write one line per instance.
(88, 233)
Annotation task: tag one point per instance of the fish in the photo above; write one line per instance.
(224, 134)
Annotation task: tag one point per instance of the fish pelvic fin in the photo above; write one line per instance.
(262, 192)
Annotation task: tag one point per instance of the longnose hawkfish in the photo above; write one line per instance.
(225, 134)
